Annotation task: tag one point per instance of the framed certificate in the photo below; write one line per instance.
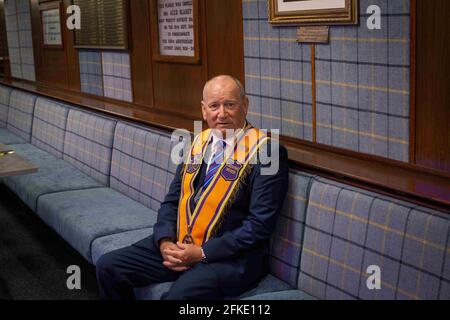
(51, 25)
(175, 30)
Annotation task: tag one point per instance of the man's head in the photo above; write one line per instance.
(224, 104)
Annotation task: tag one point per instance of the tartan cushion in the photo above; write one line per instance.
(286, 245)
(4, 105)
(20, 116)
(141, 164)
(349, 229)
(88, 144)
(49, 126)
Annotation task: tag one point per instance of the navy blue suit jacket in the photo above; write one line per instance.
(239, 251)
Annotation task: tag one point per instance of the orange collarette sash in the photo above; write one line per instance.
(197, 227)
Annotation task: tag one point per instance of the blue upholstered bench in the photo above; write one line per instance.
(101, 182)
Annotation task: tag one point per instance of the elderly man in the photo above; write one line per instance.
(213, 230)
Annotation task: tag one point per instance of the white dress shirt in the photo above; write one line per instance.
(216, 144)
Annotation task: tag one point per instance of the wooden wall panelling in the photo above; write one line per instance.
(72, 59)
(225, 38)
(141, 52)
(4, 67)
(178, 86)
(433, 85)
(51, 64)
(37, 36)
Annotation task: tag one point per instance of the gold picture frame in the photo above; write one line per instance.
(313, 12)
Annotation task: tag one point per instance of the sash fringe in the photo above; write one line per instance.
(240, 184)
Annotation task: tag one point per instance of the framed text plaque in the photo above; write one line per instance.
(51, 25)
(104, 24)
(175, 30)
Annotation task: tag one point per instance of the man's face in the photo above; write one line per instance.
(222, 106)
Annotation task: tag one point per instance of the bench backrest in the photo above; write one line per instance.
(49, 126)
(20, 115)
(4, 105)
(286, 244)
(141, 164)
(349, 231)
(88, 144)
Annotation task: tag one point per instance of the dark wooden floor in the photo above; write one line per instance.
(34, 259)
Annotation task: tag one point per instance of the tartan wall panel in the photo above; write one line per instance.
(5, 92)
(277, 75)
(117, 76)
(91, 74)
(20, 43)
(362, 80)
(107, 74)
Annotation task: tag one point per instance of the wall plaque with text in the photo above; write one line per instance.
(317, 34)
(103, 24)
(51, 23)
(176, 28)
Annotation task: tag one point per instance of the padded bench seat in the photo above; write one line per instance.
(81, 217)
(282, 295)
(116, 241)
(54, 175)
(7, 137)
(268, 286)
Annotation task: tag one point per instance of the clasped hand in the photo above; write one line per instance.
(180, 257)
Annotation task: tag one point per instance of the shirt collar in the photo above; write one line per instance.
(217, 137)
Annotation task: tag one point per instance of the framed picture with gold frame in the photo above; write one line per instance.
(313, 12)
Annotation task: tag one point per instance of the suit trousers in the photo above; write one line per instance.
(141, 264)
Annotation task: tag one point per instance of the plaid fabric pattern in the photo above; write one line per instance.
(49, 126)
(277, 75)
(363, 84)
(141, 164)
(445, 286)
(362, 80)
(117, 76)
(4, 105)
(286, 245)
(20, 116)
(348, 230)
(88, 144)
(91, 74)
(20, 43)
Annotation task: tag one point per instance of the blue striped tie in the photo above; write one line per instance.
(214, 164)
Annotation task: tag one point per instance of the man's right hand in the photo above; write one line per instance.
(171, 262)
